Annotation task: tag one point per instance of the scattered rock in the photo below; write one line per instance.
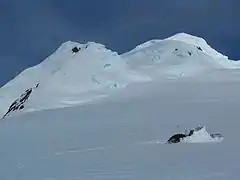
(193, 135)
(37, 85)
(176, 138)
(199, 48)
(75, 49)
(19, 103)
(21, 107)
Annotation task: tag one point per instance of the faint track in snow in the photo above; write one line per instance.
(101, 148)
(151, 142)
(76, 151)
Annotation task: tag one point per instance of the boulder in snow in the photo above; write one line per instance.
(196, 135)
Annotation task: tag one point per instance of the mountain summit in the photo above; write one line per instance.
(78, 73)
(179, 55)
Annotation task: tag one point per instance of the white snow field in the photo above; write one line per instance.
(97, 115)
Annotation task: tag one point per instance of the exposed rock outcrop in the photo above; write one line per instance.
(19, 103)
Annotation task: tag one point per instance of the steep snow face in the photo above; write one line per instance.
(177, 56)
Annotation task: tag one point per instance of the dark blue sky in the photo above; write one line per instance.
(31, 30)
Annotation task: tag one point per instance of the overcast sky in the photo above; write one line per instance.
(31, 30)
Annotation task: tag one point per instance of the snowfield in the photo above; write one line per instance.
(97, 115)
(68, 78)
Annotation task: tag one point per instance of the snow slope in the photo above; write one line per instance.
(68, 78)
(151, 93)
(121, 137)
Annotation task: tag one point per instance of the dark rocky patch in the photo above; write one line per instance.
(75, 49)
(199, 48)
(19, 103)
(176, 138)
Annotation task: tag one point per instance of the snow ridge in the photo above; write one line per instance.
(198, 42)
(78, 73)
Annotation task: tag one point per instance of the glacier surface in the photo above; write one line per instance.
(96, 114)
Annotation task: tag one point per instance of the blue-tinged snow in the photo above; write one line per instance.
(98, 115)
(121, 138)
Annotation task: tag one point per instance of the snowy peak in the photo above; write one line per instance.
(66, 53)
(179, 55)
(73, 74)
(191, 40)
(66, 62)
(78, 73)
(198, 42)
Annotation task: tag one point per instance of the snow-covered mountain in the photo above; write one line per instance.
(78, 73)
(122, 138)
(159, 91)
(67, 77)
(179, 55)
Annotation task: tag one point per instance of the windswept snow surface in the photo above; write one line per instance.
(106, 116)
(68, 78)
(122, 137)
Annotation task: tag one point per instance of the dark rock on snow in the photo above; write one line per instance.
(19, 103)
